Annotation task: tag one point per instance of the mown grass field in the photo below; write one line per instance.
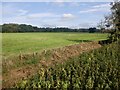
(14, 43)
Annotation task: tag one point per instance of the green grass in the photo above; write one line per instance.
(14, 43)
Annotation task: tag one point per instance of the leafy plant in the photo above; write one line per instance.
(98, 69)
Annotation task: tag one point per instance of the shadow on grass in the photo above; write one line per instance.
(79, 41)
(105, 42)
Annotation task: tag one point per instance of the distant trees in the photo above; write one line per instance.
(25, 28)
(92, 30)
(0, 28)
(9, 28)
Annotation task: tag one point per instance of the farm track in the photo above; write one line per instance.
(56, 56)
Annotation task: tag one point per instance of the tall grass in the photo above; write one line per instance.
(98, 69)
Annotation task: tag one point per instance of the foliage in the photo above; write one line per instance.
(92, 30)
(8, 28)
(98, 69)
(0, 28)
(113, 20)
(101, 26)
(115, 35)
(111, 23)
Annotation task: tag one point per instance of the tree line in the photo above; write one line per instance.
(16, 28)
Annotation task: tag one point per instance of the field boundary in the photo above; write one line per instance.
(45, 59)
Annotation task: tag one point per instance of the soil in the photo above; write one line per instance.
(49, 58)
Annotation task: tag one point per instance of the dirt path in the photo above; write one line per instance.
(59, 55)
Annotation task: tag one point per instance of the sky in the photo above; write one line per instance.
(55, 14)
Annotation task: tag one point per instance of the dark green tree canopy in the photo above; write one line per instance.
(9, 28)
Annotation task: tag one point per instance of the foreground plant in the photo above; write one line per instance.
(98, 69)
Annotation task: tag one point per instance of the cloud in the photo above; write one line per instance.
(59, 3)
(49, 25)
(98, 8)
(16, 19)
(63, 3)
(67, 17)
(11, 10)
(22, 12)
(15, 13)
(74, 4)
(85, 25)
(102, 6)
(8, 9)
(0, 8)
(57, 0)
(89, 11)
(39, 19)
(41, 15)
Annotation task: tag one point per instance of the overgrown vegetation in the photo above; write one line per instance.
(113, 21)
(98, 69)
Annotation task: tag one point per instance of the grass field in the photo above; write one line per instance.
(14, 43)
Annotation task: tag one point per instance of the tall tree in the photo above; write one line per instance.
(115, 18)
(101, 26)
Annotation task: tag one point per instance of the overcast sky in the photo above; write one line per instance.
(55, 14)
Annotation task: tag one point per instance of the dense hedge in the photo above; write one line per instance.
(98, 69)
